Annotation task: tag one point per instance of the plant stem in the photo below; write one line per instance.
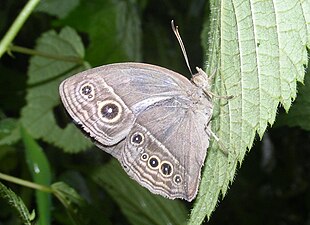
(16, 26)
(26, 183)
(29, 51)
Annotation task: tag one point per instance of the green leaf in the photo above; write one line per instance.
(299, 114)
(41, 174)
(45, 75)
(258, 49)
(77, 208)
(17, 204)
(9, 131)
(133, 198)
(57, 8)
(114, 30)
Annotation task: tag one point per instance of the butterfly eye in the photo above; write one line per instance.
(109, 111)
(87, 90)
(154, 162)
(177, 179)
(166, 169)
(137, 139)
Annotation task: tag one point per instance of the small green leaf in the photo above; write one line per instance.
(133, 198)
(114, 30)
(41, 174)
(17, 204)
(45, 75)
(258, 49)
(77, 208)
(9, 131)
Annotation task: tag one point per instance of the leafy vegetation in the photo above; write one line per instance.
(258, 51)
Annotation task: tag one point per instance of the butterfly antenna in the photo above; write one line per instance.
(177, 34)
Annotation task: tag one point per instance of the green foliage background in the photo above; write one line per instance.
(258, 51)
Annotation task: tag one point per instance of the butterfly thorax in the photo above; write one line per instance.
(201, 95)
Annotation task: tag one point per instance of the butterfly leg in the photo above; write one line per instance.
(223, 149)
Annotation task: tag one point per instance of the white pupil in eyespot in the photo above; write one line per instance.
(153, 162)
(166, 169)
(137, 138)
(86, 90)
(177, 179)
(109, 111)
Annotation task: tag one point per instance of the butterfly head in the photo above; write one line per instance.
(201, 80)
